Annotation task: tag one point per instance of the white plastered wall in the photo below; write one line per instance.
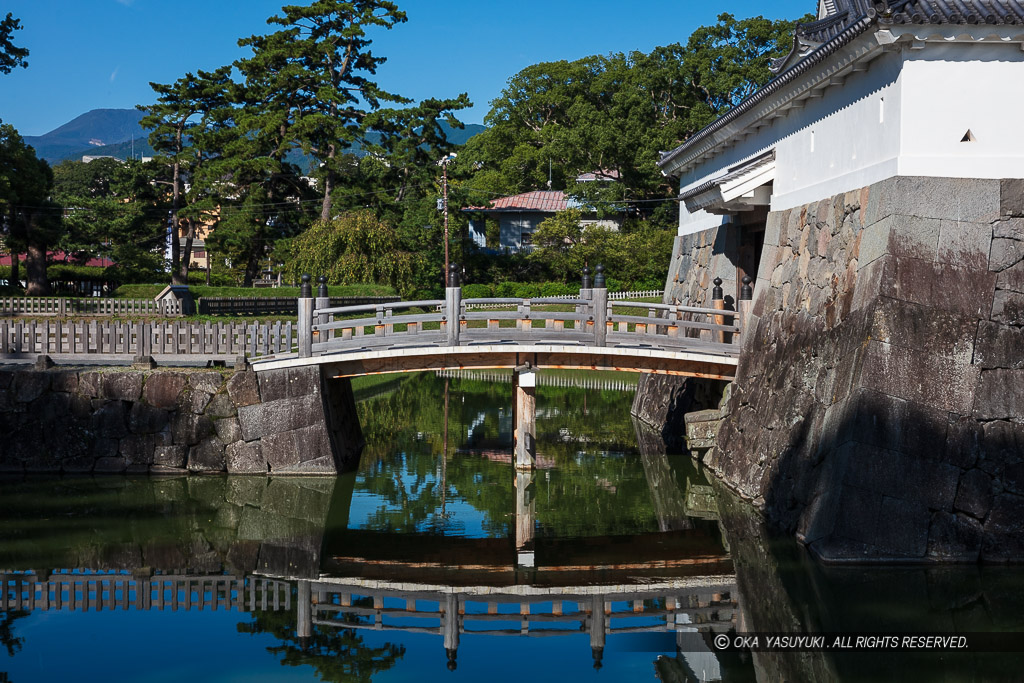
(905, 116)
(950, 89)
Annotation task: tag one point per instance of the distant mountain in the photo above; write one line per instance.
(88, 134)
(108, 132)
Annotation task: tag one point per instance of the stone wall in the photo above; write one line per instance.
(113, 421)
(879, 405)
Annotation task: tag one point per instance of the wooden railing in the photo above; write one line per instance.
(589, 319)
(99, 591)
(62, 307)
(604, 611)
(157, 339)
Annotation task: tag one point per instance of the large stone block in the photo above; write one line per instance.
(999, 346)
(1012, 278)
(243, 389)
(30, 385)
(246, 458)
(122, 386)
(1000, 395)
(1005, 253)
(954, 538)
(208, 456)
(1004, 530)
(90, 384)
(942, 383)
(228, 429)
(282, 415)
(1011, 197)
(65, 381)
(904, 533)
(163, 389)
(913, 326)
(964, 199)
(221, 406)
(292, 383)
(110, 418)
(146, 419)
(140, 449)
(299, 450)
(945, 287)
(188, 429)
(965, 244)
(170, 456)
(1008, 308)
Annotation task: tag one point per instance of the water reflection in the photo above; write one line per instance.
(437, 560)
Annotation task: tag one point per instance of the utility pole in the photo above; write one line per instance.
(444, 185)
(443, 163)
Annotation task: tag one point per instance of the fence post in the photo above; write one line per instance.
(599, 304)
(718, 303)
(323, 300)
(305, 304)
(586, 292)
(453, 305)
(746, 303)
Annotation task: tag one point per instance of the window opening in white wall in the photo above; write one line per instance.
(968, 137)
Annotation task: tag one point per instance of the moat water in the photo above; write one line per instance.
(612, 561)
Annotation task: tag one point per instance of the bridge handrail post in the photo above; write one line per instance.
(744, 306)
(586, 292)
(305, 305)
(718, 303)
(323, 300)
(599, 305)
(453, 305)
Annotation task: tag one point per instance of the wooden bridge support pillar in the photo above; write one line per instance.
(525, 418)
(598, 630)
(450, 626)
(304, 611)
(526, 516)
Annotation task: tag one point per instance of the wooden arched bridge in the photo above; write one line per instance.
(588, 332)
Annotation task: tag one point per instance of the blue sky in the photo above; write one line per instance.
(91, 54)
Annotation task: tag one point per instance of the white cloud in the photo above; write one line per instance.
(113, 75)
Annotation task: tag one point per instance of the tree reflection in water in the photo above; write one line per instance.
(337, 655)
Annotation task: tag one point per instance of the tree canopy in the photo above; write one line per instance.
(613, 115)
(11, 56)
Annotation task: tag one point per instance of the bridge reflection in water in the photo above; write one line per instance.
(333, 576)
(437, 554)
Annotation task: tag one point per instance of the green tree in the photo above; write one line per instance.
(186, 124)
(614, 113)
(353, 248)
(31, 221)
(311, 78)
(11, 56)
(112, 209)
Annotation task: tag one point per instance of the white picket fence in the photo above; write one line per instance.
(63, 307)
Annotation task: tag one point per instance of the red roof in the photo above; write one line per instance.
(542, 201)
(60, 257)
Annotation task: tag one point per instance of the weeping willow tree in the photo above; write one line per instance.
(353, 248)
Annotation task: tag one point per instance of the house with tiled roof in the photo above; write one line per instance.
(518, 216)
(872, 194)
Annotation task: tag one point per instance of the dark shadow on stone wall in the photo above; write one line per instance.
(878, 411)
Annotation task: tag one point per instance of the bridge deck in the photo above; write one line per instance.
(382, 359)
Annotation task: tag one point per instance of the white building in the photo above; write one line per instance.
(873, 90)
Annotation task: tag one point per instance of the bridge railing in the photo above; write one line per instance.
(330, 332)
(590, 319)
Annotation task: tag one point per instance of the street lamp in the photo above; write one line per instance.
(443, 163)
